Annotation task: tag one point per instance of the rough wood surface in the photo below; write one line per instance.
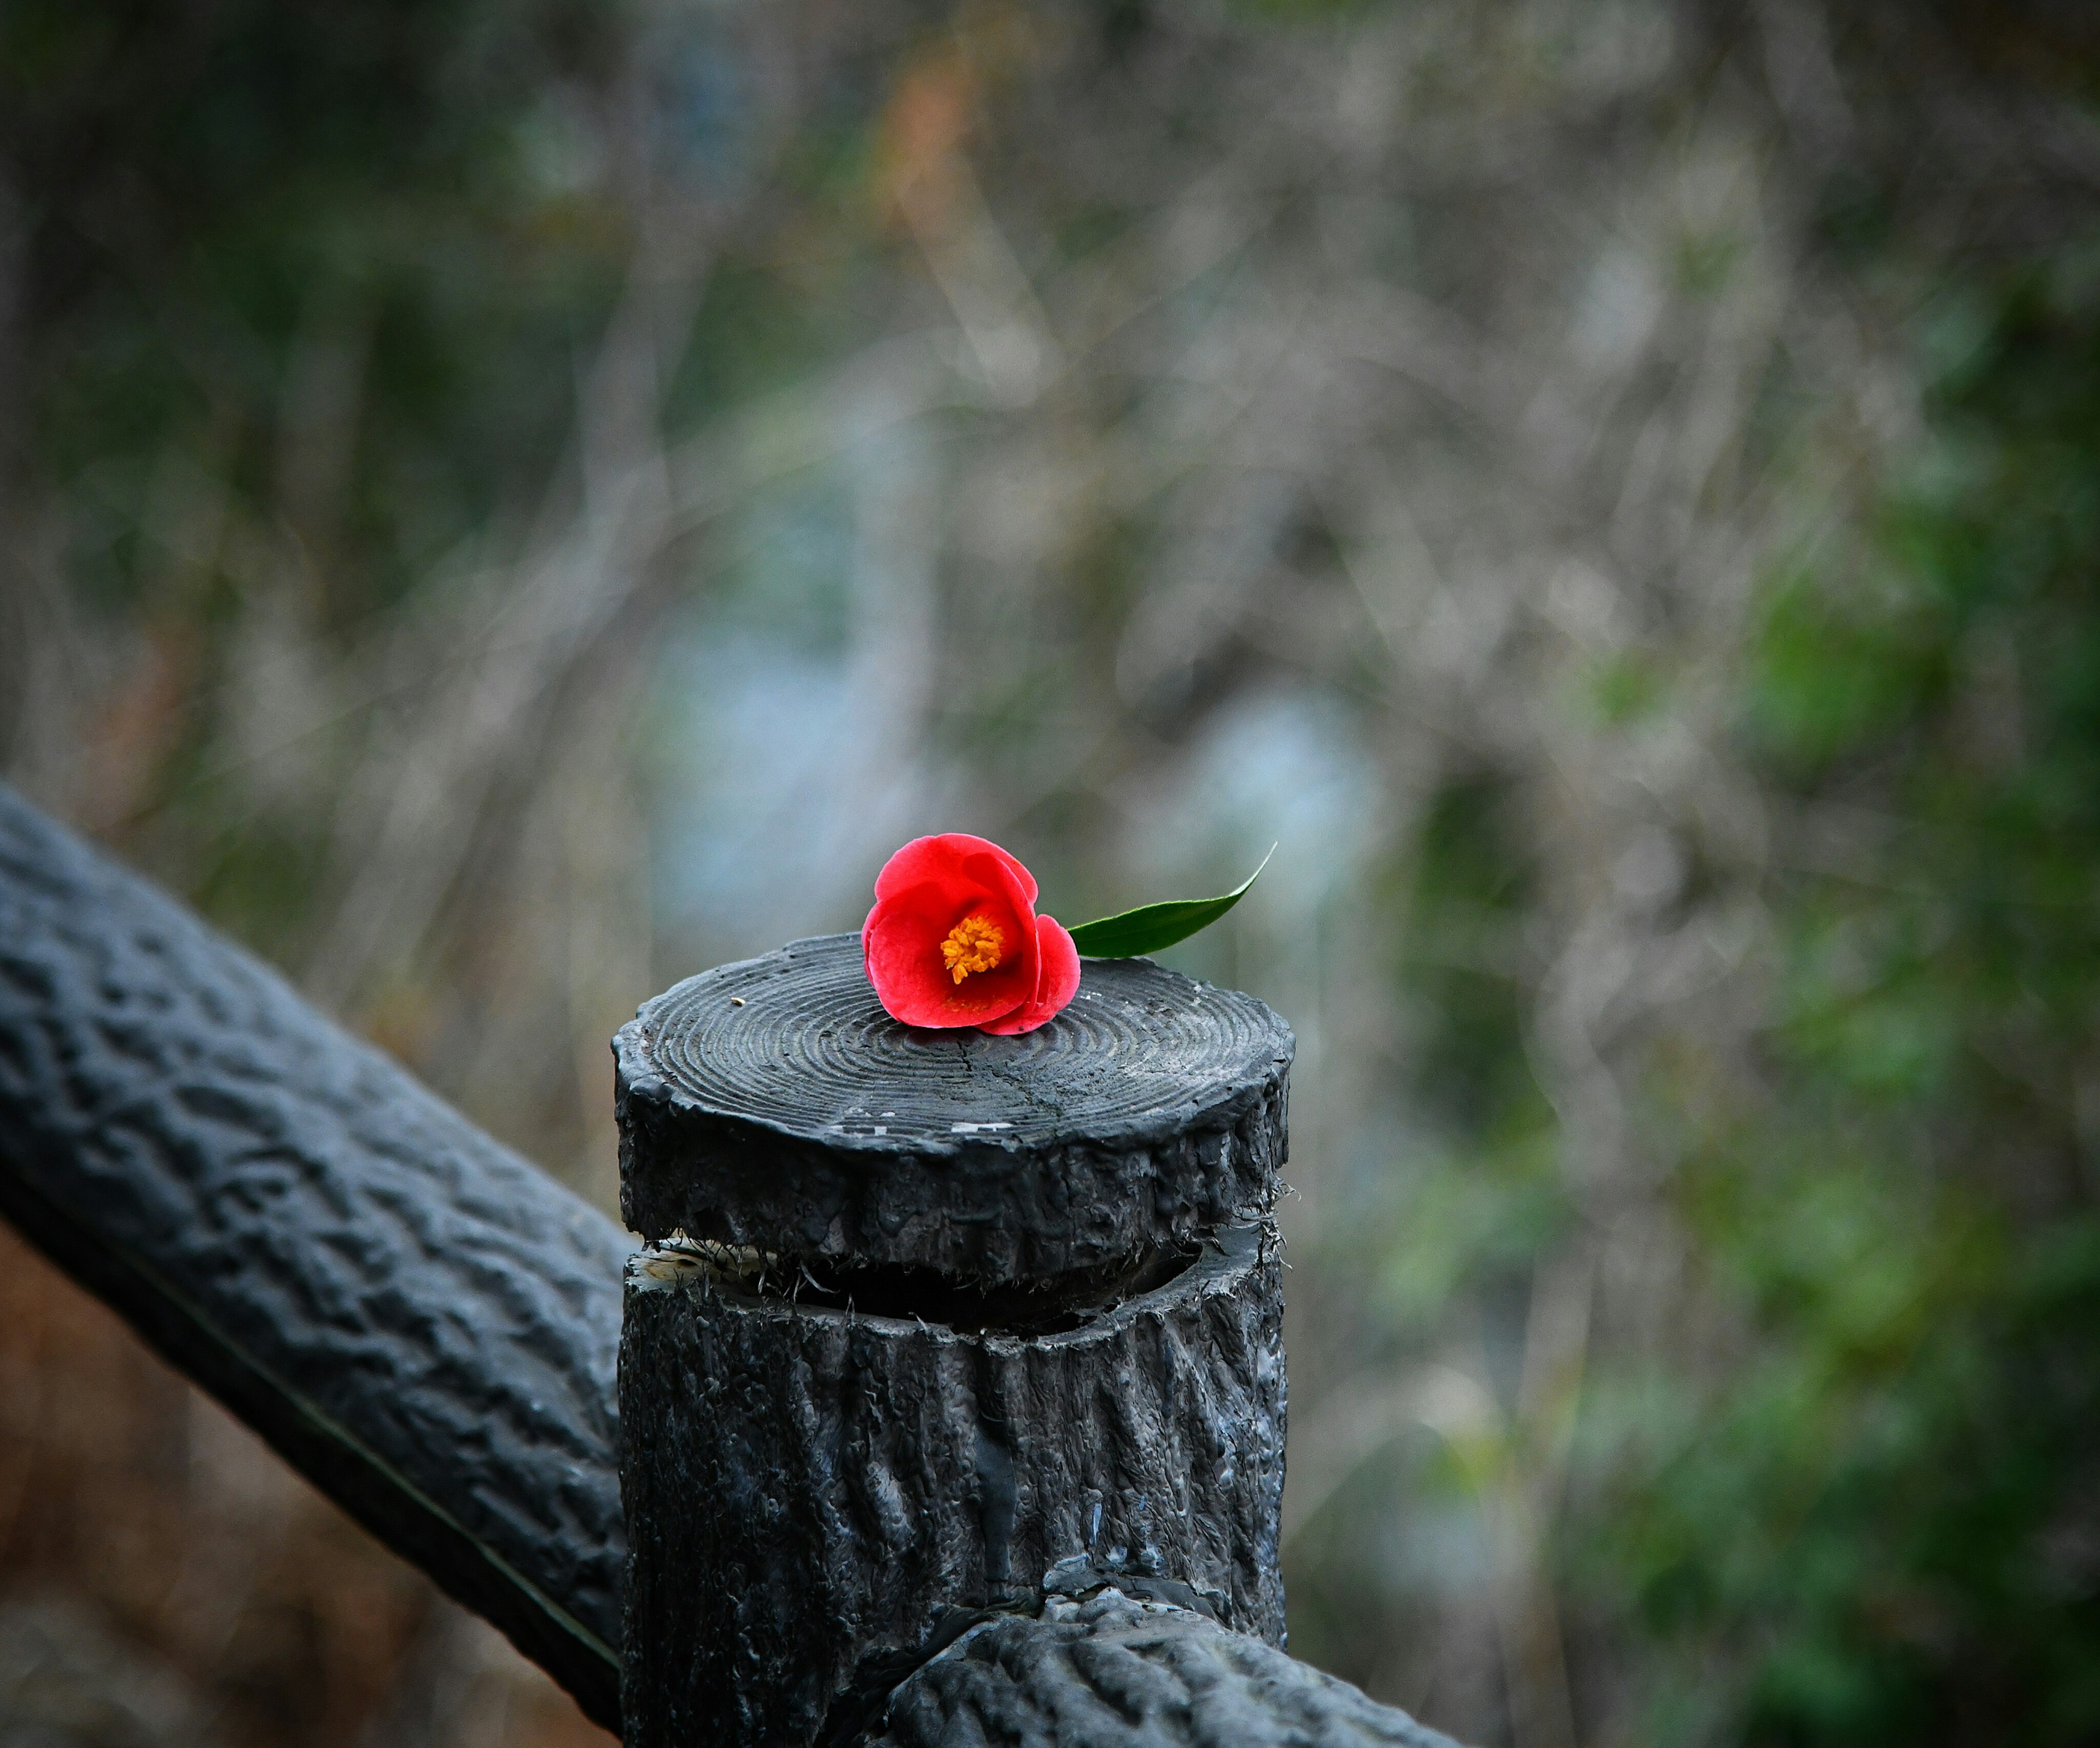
(808, 1487)
(1114, 1672)
(417, 1319)
(773, 1104)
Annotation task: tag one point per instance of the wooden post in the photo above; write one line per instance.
(933, 1321)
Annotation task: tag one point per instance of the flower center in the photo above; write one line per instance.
(974, 945)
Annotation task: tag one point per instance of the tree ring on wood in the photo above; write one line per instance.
(774, 1104)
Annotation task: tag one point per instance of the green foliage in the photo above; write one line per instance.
(328, 198)
(1889, 1505)
(1469, 891)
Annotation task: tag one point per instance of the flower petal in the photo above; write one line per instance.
(901, 942)
(934, 858)
(1056, 982)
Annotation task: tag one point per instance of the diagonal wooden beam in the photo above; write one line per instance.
(421, 1322)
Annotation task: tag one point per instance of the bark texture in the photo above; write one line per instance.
(773, 1104)
(422, 1323)
(809, 1489)
(1116, 1672)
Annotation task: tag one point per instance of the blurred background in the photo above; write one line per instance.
(505, 504)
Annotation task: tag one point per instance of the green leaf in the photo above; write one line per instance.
(1151, 927)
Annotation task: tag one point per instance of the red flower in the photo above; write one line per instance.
(954, 939)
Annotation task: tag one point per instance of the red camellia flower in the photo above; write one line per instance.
(954, 939)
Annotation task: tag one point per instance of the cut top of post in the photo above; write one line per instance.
(772, 1104)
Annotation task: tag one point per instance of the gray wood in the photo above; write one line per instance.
(418, 1320)
(809, 1488)
(1113, 1671)
(773, 1104)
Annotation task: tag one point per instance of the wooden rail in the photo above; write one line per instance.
(424, 1324)
(426, 1327)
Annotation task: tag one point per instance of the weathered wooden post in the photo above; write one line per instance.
(933, 1321)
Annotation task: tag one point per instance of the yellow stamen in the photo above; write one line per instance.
(974, 945)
